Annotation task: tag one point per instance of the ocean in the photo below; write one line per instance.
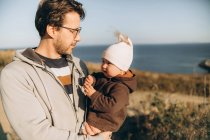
(170, 58)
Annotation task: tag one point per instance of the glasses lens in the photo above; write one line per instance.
(77, 31)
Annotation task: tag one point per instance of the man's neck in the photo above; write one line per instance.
(47, 49)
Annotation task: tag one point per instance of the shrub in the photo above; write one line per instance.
(165, 121)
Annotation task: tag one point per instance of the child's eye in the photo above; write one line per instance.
(104, 61)
(109, 63)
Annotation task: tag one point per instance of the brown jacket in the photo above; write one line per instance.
(107, 110)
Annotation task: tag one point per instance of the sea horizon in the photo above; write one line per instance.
(163, 58)
(167, 58)
(96, 45)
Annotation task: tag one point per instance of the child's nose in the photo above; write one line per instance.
(104, 65)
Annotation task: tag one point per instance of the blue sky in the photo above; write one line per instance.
(144, 21)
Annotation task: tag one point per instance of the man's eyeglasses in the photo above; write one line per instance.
(75, 32)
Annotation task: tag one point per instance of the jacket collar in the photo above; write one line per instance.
(30, 54)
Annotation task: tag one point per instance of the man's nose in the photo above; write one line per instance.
(77, 38)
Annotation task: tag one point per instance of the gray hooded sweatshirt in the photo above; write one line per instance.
(36, 102)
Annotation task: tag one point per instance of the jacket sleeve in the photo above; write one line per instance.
(116, 99)
(25, 113)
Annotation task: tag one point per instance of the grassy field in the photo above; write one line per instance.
(165, 106)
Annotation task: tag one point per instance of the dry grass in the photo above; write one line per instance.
(136, 98)
(191, 84)
(165, 116)
(6, 57)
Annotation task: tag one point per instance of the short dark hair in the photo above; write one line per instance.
(51, 12)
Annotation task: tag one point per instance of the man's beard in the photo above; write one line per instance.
(61, 48)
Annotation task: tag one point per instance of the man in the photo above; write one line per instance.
(41, 89)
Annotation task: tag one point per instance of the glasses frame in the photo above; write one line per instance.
(72, 30)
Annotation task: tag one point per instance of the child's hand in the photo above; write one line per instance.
(90, 130)
(89, 90)
(89, 80)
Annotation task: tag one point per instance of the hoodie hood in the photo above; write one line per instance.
(129, 79)
(29, 56)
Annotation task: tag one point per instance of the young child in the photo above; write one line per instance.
(109, 89)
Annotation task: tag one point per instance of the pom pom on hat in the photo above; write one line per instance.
(121, 53)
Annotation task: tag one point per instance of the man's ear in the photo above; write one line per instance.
(51, 31)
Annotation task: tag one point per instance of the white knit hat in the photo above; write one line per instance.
(121, 53)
